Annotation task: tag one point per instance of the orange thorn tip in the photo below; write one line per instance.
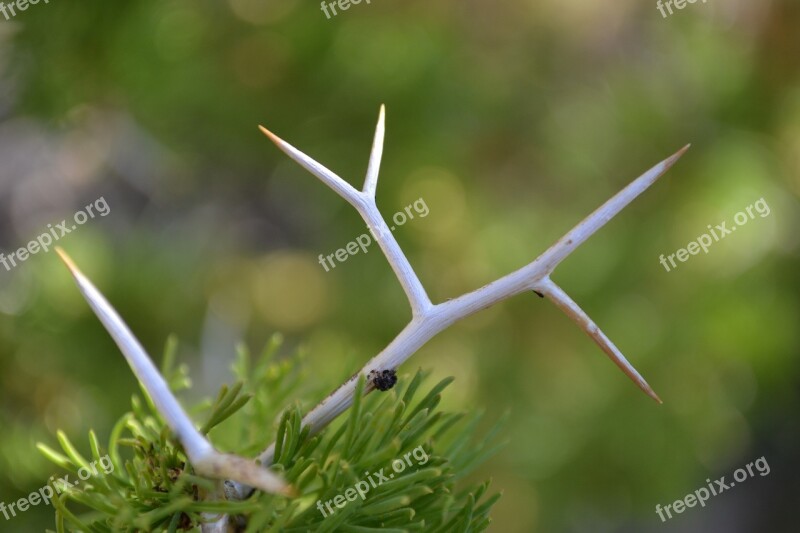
(67, 260)
(272, 137)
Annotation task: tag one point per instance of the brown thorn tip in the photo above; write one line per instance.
(67, 259)
(671, 160)
(274, 138)
(650, 392)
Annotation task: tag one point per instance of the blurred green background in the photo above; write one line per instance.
(513, 119)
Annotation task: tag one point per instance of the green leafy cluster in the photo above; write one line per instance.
(152, 488)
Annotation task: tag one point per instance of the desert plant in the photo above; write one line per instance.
(241, 476)
(154, 487)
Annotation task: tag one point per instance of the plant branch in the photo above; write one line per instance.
(331, 179)
(429, 320)
(529, 277)
(364, 202)
(555, 294)
(202, 455)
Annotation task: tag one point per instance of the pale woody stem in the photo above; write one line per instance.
(428, 319)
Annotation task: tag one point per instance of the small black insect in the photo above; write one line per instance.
(539, 294)
(383, 379)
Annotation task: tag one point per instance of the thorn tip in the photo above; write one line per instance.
(67, 260)
(671, 160)
(650, 392)
(272, 137)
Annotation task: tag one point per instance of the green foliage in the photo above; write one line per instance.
(513, 120)
(152, 488)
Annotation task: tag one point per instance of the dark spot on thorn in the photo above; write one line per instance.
(383, 380)
(539, 294)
